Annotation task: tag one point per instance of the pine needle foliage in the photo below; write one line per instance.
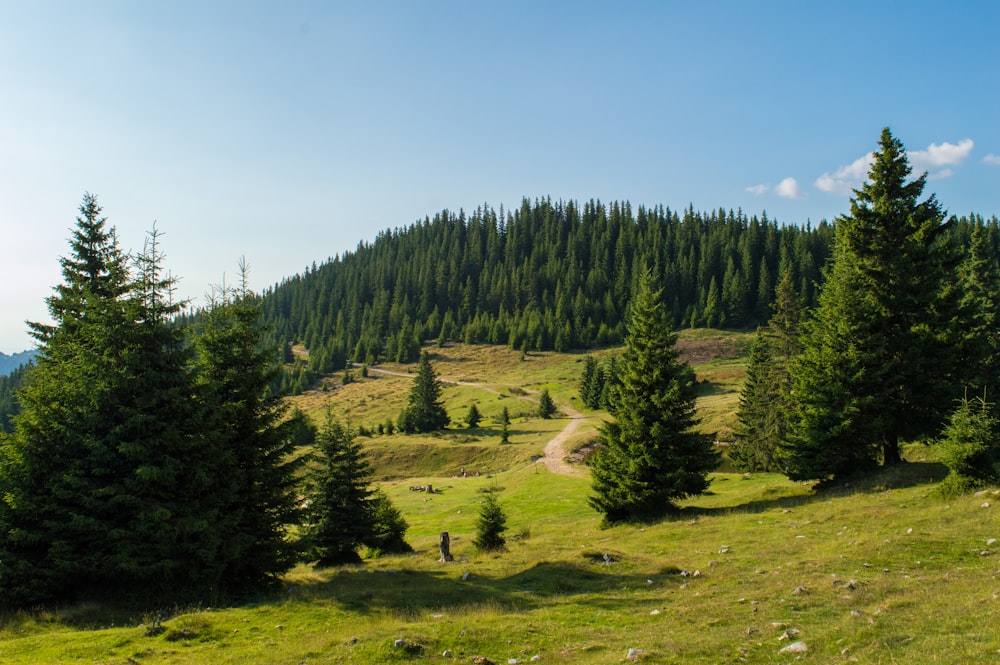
(650, 455)
(491, 524)
(424, 411)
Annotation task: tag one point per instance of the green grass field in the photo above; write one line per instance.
(883, 571)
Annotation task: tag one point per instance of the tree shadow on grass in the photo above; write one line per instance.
(409, 591)
(900, 476)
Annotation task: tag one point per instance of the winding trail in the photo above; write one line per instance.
(554, 458)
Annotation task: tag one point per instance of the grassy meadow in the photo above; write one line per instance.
(883, 571)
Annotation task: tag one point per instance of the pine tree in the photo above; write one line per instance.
(339, 516)
(591, 383)
(505, 426)
(473, 418)
(546, 407)
(650, 454)
(970, 447)
(388, 527)
(424, 411)
(257, 477)
(876, 367)
(766, 404)
(978, 328)
(107, 486)
(491, 525)
(760, 430)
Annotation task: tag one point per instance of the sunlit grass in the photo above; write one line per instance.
(879, 571)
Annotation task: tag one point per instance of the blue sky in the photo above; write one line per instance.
(287, 132)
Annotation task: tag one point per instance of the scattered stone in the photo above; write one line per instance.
(795, 647)
(910, 530)
(535, 658)
(713, 563)
(696, 573)
(633, 654)
(799, 590)
(981, 493)
(986, 504)
(857, 613)
(280, 627)
(985, 553)
(466, 576)
(724, 549)
(482, 660)
(446, 653)
(399, 644)
(649, 581)
(991, 542)
(512, 661)
(654, 613)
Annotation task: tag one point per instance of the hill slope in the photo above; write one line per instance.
(883, 571)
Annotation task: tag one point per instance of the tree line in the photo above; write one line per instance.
(547, 276)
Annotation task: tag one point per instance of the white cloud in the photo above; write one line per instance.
(992, 159)
(939, 155)
(846, 178)
(788, 188)
(758, 189)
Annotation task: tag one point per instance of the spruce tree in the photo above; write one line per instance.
(424, 411)
(254, 439)
(760, 432)
(339, 518)
(107, 487)
(546, 407)
(978, 325)
(766, 405)
(591, 383)
(505, 426)
(491, 524)
(650, 455)
(473, 418)
(876, 367)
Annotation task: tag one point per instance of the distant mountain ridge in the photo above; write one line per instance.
(9, 363)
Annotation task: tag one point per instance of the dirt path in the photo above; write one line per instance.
(554, 458)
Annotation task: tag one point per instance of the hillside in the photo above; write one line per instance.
(882, 571)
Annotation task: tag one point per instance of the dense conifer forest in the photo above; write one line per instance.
(547, 276)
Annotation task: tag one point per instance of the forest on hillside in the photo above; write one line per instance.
(547, 276)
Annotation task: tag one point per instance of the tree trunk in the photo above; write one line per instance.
(890, 451)
(445, 545)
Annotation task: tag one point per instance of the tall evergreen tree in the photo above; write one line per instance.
(979, 321)
(424, 411)
(339, 517)
(257, 479)
(650, 454)
(760, 430)
(876, 367)
(591, 383)
(103, 482)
